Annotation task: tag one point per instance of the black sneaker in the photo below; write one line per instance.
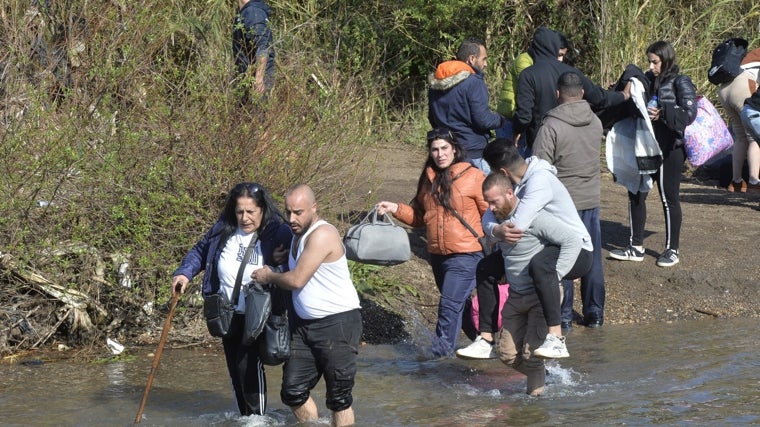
(668, 258)
(628, 254)
(594, 323)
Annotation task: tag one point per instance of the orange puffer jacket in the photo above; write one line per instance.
(445, 233)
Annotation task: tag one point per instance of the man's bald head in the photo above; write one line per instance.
(300, 208)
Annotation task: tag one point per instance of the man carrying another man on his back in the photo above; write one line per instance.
(524, 324)
(458, 100)
(570, 139)
(540, 192)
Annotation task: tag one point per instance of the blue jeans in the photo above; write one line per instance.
(481, 164)
(592, 283)
(455, 278)
(506, 133)
(751, 121)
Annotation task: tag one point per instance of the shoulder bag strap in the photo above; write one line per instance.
(469, 227)
(456, 214)
(239, 279)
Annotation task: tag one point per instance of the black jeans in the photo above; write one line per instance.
(488, 275)
(543, 271)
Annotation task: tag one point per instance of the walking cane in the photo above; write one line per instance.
(159, 350)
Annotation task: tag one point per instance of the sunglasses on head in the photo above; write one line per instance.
(440, 134)
(253, 188)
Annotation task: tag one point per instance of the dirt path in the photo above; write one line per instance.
(719, 267)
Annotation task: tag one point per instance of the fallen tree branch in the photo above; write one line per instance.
(76, 301)
(709, 313)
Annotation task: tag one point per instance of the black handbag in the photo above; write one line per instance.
(258, 307)
(219, 310)
(274, 348)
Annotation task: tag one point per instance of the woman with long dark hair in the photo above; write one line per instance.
(448, 184)
(676, 109)
(249, 217)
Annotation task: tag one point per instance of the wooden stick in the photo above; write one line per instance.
(159, 350)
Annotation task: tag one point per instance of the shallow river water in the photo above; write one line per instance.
(691, 373)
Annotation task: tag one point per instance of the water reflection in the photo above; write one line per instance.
(687, 373)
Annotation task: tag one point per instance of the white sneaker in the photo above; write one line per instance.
(479, 349)
(552, 348)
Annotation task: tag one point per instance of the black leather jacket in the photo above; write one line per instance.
(677, 97)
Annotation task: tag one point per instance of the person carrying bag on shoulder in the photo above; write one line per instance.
(250, 233)
(676, 109)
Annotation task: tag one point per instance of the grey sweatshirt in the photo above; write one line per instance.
(544, 230)
(540, 191)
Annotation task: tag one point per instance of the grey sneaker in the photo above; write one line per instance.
(479, 349)
(552, 348)
(668, 258)
(628, 254)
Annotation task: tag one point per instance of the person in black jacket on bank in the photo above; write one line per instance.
(676, 109)
(537, 87)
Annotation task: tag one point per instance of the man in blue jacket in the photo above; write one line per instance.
(252, 44)
(458, 100)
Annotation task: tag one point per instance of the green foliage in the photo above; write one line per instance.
(370, 280)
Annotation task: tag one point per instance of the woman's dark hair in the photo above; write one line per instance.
(260, 195)
(667, 55)
(442, 182)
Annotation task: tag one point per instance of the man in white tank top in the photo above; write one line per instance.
(328, 323)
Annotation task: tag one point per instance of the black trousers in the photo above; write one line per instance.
(668, 179)
(543, 271)
(246, 370)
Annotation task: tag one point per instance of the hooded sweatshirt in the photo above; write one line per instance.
(537, 85)
(458, 100)
(544, 230)
(570, 139)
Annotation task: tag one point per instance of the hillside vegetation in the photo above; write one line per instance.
(121, 130)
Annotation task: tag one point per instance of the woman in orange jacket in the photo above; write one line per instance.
(448, 184)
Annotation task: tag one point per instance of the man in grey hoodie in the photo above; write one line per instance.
(570, 139)
(536, 184)
(523, 316)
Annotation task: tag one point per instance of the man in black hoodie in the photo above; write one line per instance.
(537, 86)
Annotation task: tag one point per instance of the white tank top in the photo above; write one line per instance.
(329, 291)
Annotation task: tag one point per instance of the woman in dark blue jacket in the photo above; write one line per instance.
(676, 109)
(249, 217)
